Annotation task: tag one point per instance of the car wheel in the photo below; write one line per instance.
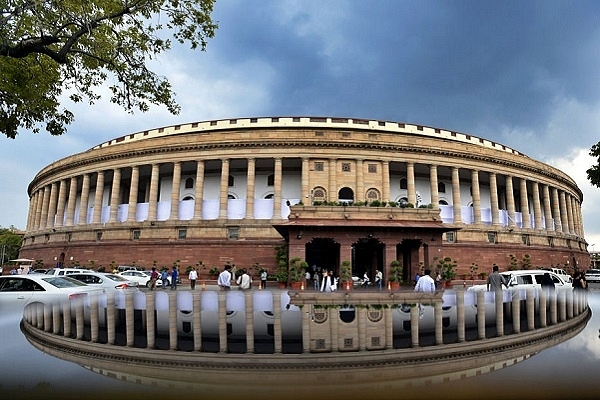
(148, 284)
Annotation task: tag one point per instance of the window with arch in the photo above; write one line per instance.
(269, 196)
(403, 201)
(231, 196)
(271, 180)
(441, 187)
(443, 202)
(189, 183)
(188, 197)
(373, 194)
(403, 183)
(319, 194)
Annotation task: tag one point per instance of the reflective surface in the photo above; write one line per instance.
(568, 370)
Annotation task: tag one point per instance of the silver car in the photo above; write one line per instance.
(592, 275)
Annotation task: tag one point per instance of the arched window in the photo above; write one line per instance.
(269, 196)
(373, 194)
(346, 194)
(319, 194)
(443, 202)
(189, 183)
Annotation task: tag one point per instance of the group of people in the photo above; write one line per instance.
(244, 280)
(164, 278)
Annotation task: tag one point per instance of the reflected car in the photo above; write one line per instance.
(108, 282)
(592, 275)
(17, 291)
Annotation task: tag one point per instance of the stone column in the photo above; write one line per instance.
(385, 195)
(564, 219)
(333, 326)
(361, 316)
(278, 188)
(133, 193)
(62, 199)
(537, 210)
(224, 190)
(249, 313)
(199, 193)
(175, 190)
(153, 193)
(481, 315)
(45, 207)
(332, 181)
(85, 197)
(150, 320)
(498, 303)
(39, 207)
(494, 199)
(115, 195)
(94, 320)
(305, 193)
(569, 206)
(71, 201)
(389, 328)
(98, 197)
(530, 308)
(277, 332)
(360, 180)
(414, 325)
(52, 205)
(173, 321)
(250, 188)
(433, 186)
(475, 190)
(516, 311)
(129, 321)
(110, 318)
(460, 314)
(543, 298)
(306, 322)
(510, 201)
(525, 205)
(547, 208)
(197, 320)
(410, 183)
(439, 333)
(456, 205)
(556, 211)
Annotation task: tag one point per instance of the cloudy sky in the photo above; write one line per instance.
(522, 73)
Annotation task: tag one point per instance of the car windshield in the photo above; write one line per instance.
(113, 277)
(63, 282)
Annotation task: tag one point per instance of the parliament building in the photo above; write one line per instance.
(325, 189)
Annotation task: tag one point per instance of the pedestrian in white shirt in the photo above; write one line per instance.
(425, 283)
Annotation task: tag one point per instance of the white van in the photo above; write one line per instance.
(522, 279)
(65, 271)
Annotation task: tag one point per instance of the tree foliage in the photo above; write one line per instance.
(10, 243)
(593, 173)
(51, 48)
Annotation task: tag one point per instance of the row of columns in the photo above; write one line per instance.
(558, 306)
(50, 203)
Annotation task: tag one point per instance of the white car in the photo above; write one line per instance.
(522, 279)
(592, 275)
(141, 277)
(65, 271)
(16, 291)
(108, 282)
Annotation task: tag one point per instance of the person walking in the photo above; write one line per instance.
(174, 277)
(425, 284)
(224, 279)
(244, 281)
(495, 280)
(193, 276)
(153, 278)
(164, 277)
(263, 279)
(316, 281)
(379, 279)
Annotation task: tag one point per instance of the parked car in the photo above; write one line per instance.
(522, 279)
(16, 291)
(562, 273)
(65, 271)
(141, 277)
(109, 282)
(592, 275)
